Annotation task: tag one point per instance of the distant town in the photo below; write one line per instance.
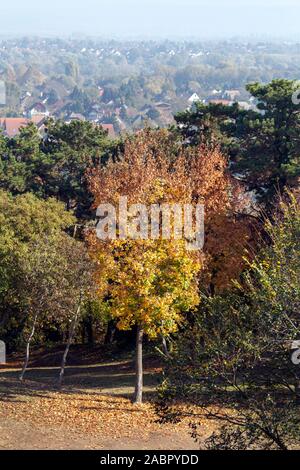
(123, 86)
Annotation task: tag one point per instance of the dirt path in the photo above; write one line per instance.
(93, 411)
(16, 435)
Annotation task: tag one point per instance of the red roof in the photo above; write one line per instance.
(109, 128)
(12, 126)
(37, 119)
(223, 102)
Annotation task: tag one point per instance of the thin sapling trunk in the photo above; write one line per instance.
(69, 342)
(28, 349)
(138, 395)
(165, 346)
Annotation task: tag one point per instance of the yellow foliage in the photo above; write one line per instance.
(148, 282)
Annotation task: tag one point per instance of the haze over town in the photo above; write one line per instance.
(153, 18)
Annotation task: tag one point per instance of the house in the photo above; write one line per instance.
(244, 105)
(101, 91)
(110, 129)
(37, 119)
(232, 95)
(93, 116)
(38, 109)
(194, 98)
(222, 102)
(120, 124)
(164, 106)
(215, 92)
(12, 126)
(57, 108)
(75, 117)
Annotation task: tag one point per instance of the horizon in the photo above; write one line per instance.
(154, 19)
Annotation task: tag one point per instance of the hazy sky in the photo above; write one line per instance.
(157, 18)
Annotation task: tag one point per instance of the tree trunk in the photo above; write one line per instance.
(138, 395)
(28, 349)
(83, 333)
(90, 331)
(165, 346)
(110, 332)
(69, 342)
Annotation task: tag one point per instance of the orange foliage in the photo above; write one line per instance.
(155, 168)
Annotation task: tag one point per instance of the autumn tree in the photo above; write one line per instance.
(46, 275)
(76, 288)
(150, 283)
(25, 222)
(229, 229)
(39, 285)
(56, 280)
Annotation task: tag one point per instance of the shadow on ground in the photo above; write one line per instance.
(115, 378)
